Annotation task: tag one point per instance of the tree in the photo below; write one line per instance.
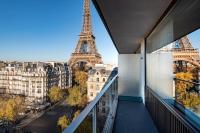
(55, 94)
(81, 78)
(195, 72)
(11, 108)
(76, 97)
(76, 114)
(85, 126)
(11, 112)
(78, 93)
(2, 109)
(183, 95)
(63, 122)
(20, 106)
(182, 86)
(192, 101)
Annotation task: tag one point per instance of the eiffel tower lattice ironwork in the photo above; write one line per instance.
(183, 51)
(85, 53)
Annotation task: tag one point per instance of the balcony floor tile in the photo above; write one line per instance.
(133, 117)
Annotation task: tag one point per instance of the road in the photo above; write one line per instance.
(47, 123)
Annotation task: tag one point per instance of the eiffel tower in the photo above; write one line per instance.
(183, 44)
(85, 54)
(183, 53)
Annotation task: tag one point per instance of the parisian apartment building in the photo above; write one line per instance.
(33, 80)
(98, 76)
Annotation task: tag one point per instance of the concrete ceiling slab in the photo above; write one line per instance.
(130, 21)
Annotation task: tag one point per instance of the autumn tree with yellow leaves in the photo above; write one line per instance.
(76, 114)
(62, 123)
(85, 127)
(81, 78)
(55, 94)
(11, 108)
(76, 97)
(183, 94)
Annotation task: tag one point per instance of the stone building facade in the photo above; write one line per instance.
(33, 80)
(98, 76)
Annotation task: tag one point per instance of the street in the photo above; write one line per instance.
(47, 123)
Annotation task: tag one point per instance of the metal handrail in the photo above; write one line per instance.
(75, 124)
(173, 111)
(187, 81)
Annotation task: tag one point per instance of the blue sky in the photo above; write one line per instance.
(194, 38)
(46, 30)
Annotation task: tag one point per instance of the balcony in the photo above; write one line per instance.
(128, 114)
(141, 98)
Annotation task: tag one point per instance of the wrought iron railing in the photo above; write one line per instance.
(98, 116)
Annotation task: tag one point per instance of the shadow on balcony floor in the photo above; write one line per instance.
(133, 117)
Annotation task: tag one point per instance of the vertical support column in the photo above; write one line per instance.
(116, 89)
(110, 97)
(94, 120)
(142, 70)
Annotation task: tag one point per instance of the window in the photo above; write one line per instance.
(97, 79)
(91, 94)
(38, 86)
(39, 91)
(103, 103)
(91, 86)
(104, 80)
(97, 87)
(103, 110)
(184, 88)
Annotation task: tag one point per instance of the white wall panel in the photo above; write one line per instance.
(129, 75)
(160, 73)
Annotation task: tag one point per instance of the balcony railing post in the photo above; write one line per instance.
(116, 87)
(113, 91)
(94, 119)
(110, 97)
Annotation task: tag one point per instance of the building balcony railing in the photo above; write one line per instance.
(98, 116)
(156, 115)
(167, 118)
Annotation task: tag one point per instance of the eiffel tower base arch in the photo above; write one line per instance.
(84, 61)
